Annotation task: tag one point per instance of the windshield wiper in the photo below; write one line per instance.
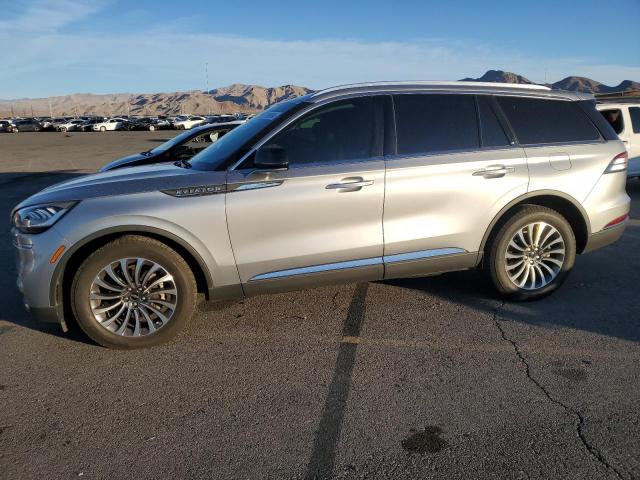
(182, 163)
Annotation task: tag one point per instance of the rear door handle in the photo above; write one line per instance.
(494, 171)
(350, 184)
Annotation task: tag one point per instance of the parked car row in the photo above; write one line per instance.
(104, 124)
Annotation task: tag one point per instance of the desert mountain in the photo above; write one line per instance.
(234, 98)
(231, 99)
(499, 76)
(575, 84)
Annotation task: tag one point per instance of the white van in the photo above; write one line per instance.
(625, 120)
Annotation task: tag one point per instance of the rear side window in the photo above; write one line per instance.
(339, 131)
(491, 132)
(435, 123)
(614, 117)
(635, 118)
(547, 121)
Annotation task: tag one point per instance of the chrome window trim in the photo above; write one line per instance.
(365, 262)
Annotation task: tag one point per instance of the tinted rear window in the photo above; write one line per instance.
(547, 121)
(491, 131)
(435, 123)
(635, 118)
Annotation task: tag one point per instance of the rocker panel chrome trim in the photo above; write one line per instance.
(366, 262)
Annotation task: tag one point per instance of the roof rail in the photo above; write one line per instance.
(430, 83)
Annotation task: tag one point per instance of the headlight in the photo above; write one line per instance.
(38, 218)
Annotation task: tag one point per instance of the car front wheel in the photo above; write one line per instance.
(133, 292)
(531, 254)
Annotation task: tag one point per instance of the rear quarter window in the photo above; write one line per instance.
(539, 121)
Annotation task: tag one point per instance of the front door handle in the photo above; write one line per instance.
(494, 171)
(352, 184)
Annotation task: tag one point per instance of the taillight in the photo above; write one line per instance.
(618, 164)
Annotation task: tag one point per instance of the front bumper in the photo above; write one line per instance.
(36, 272)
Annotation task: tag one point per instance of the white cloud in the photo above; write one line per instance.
(163, 60)
(46, 16)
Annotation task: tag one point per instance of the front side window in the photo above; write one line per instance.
(336, 132)
(635, 118)
(427, 123)
(539, 121)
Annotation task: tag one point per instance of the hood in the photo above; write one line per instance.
(135, 159)
(125, 181)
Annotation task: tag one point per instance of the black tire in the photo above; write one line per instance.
(133, 246)
(495, 264)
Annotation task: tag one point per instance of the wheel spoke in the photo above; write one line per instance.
(170, 305)
(109, 271)
(150, 325)
(166, 278)
(136, 275)
(136, 330)
(158, 313)
(125, 323)
(125, 271)
(99, 311)
(112, 319)
(99, 296)
(106, 286)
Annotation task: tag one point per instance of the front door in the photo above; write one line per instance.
(320, 220)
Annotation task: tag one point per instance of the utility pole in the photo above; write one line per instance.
(32, 110)
(50, 109)
(206, 74)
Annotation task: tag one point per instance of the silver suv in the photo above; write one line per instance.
(354, 183)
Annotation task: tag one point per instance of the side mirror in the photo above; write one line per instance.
(271, 157)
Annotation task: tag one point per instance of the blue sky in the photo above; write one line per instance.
(57, 47)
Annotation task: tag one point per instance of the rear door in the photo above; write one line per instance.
(319, 220)
(455, 167)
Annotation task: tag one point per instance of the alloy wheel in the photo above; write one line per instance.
(535, 256)
(133, 297)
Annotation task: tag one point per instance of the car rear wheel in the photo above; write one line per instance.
(152, 128)
(63, 129)
(531, 254)
(103, 129)
(133, 292)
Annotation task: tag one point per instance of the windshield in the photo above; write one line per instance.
(237, 141)
(163, 147)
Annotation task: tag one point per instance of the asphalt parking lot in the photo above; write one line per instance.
(421, 378)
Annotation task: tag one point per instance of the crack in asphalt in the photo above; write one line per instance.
(595, 453)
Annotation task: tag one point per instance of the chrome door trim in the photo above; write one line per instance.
(365, 262)
(407, 257)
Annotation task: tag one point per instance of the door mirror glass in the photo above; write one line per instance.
(271, 156)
